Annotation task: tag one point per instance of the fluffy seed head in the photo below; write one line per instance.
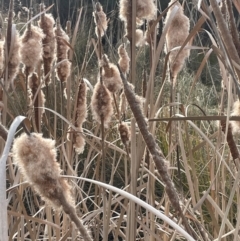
(236, 112)
(36, 159)
(124, 133)
(123, 59)
(100, 20)
(146, 9)
(78, 141)
(1, 56)
(123, 103)
(176, 35)
(15, 59)
(101, 104)
(111, 76)
(33, 83)
(31, 50)
(140, 41)
(46, 23)
(63, 69)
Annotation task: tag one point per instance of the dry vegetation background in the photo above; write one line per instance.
(116, 129)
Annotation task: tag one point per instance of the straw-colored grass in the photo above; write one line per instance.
(109, 163)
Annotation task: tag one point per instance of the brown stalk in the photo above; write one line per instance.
(226, 36)
(3, 132)
(155, 151)
(232, 26)
(231, 143)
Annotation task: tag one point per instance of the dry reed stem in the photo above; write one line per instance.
(155, 151)
(110, 75)
(101, 104)
(46, 23)
(123, 59)
(64, 68)
(31, 50)
(227, 38)
(223, 8)
(176, 35)
(1, 99)
(36, 159)
(3, 132)
(100, 20)
(232, 27)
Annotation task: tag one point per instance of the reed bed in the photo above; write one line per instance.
(120, 133)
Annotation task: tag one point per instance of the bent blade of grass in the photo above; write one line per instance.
(141, 203)
(3, 204)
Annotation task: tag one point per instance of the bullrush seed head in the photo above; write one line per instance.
(140, 40)
(101, 104)
(123, 59)
(124, 133)
(146, 9)
(1, 57)
(110, 75)
(176, 35)
(100, 20)
(78, 141)
(46, 23)
(64, 68)
(33, 83)
(31, 50)
(14, 59)
(36, 158)
(236, 112)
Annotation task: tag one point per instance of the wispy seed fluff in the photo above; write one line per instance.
(124, 133)
(31, 50)
(36, 158)
(236, 112)
(110, 75)
(176, 35)
(64, 68)
(15, 58)
(1, 57)
(146, 9)
(101, 104)
(123, 59)
(46, 23)
(100, 20)
(81, 115)
(140, 40)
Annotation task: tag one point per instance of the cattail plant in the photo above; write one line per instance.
(140, 40)
(124, 133)
(33, 83)
(236, 112)
(145, 9)
(110, 75)
(80, 118)
(46, 23)
(1, 56)
(14, 58)
(101, 104)
(31, 50)
(100, 20)
(64, 68)
(1, 100)
(123, 59)
(176, 35)
(36, 159)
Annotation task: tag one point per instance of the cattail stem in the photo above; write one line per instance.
(3, 132)
(70, 210)
(155, 151)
